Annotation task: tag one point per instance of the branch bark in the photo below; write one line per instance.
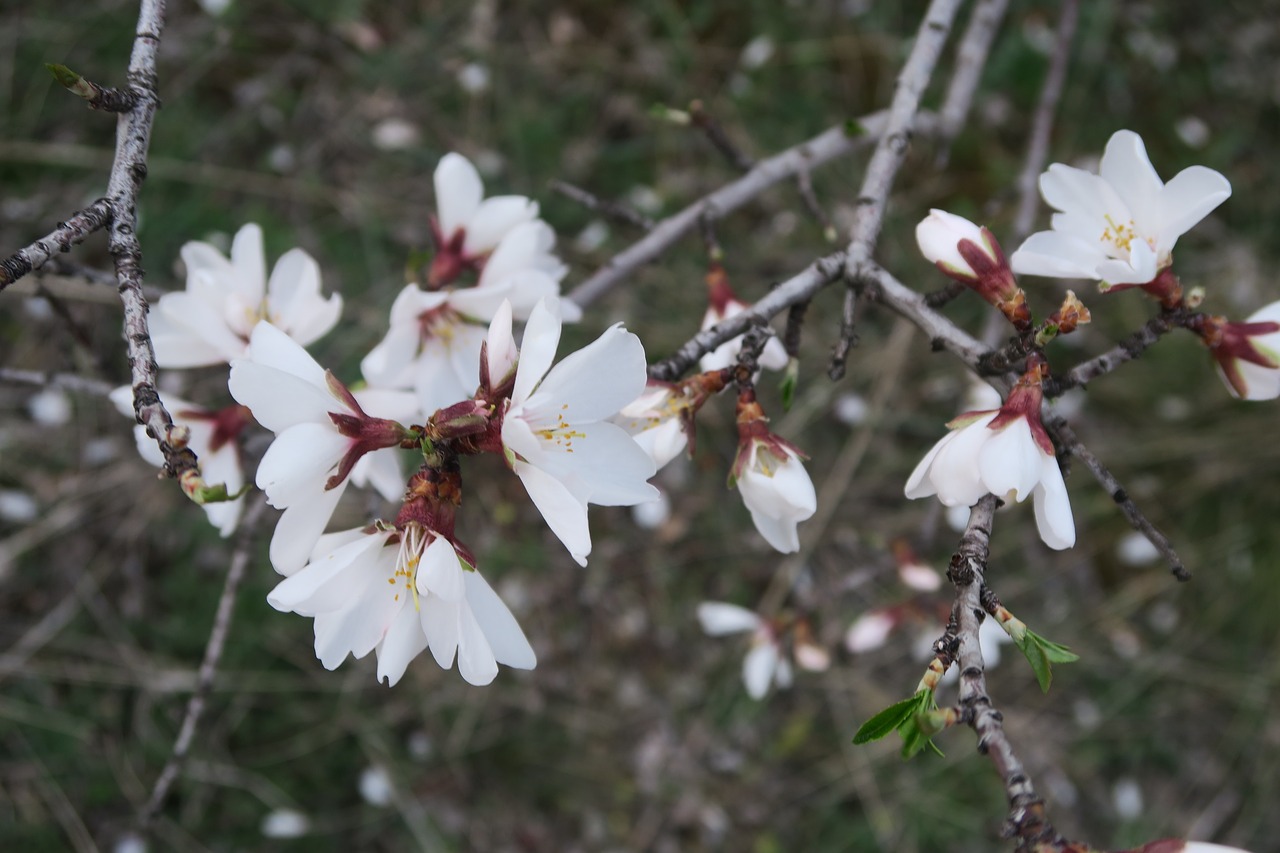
(1026, 820)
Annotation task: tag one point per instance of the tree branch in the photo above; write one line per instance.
(971, 59)
(1067, 439)
(891, 151)
(133, 138)
(208, 665)
(1026, 820)
(823, 148)
(74, 231)
(1042, 123)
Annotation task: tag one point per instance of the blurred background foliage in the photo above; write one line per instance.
(323, 122)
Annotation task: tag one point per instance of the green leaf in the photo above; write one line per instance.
(64, 75)
(853, 127)
(888, 720)
(788, 384)
(902, 717)
(216, 493)
(1041, 654)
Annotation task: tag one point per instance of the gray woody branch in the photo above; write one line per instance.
(118, 214)
(1026, 821)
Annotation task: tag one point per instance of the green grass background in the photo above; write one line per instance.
(634, 731)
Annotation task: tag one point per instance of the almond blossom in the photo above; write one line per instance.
(556, 433)
(433, 343)
(398, 591)
(771, 478)
(661, 419)
(213, 438)
(970, 254)
(468, 226)
(1005, 452)
(765, 663)
(1118, 226)
(1248, 353)
(210, 322)
(322, 434)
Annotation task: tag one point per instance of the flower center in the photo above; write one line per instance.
(1120, 235)
(413, 542)
(562, 433)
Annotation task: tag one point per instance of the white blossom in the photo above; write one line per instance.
(765, 662)
(556, 432)
(986, 452)
(214, 440)
(1118, 226)
(323, 433)
(1248, 353)
(399, 592)
(776, 488)
(773, 356)
(210, 322)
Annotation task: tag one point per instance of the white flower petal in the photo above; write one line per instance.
(1126, 167)
(537, 350)
(440, 624)
(1010, 461)
(719, 618)
(403, 642)
(758, 668)
(564, 512)
(1056, 255)
(458, 192)
(476, 663)
(298, 462)
(494, 219)
(279, 400)
(1053, 507)
(299, 528)
(440, 572)
(506, 640)
(1191, 196)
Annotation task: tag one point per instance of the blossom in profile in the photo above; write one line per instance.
(1248, 353)
(1118, 226)
(468, 226)
(970, 254)
(771, 479)
(214, 439)
(397, 591)
(661, 419)
(765, 662)
(1005, 452)
(556, 432)
(323, 435)
(211, 320)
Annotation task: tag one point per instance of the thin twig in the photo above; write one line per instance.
(878, 284)
(823, 148)
(891, 151)
(74, 231)
(208, 666)
(1026, 820)
(804, 185)
(971, 59)
(1127, 350)
(1042, 123)
(64, 381)
(1067, 439)
(77, 329)
(612, 209)
(714, 131)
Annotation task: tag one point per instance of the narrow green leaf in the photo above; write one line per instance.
(64, 75)
(788, 386)
(888, 720)
(853, 127)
